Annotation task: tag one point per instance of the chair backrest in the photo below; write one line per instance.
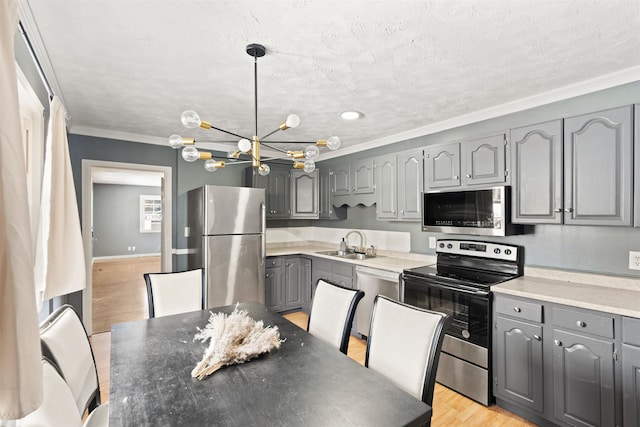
(65, 342)
(332, 312)
(173, 293)
(58, 406)
(404, 345)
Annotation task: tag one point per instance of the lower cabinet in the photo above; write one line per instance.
(287, 283)
(560, 365)
(631, 371)
(337, 272)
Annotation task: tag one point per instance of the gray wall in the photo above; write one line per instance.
(581, 248)
(116, 221)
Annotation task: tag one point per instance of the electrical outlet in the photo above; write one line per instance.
(432, 242)
(634, 260)
(187, 231)
(129, 248)
(133, 248)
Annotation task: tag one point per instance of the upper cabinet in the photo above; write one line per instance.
(537, 179)
(399, 188)
(354, 183)
(473, 162)
(636, 150)
(591, 186)
(277, 185)
(597, 168)
(304, 194)
(326, 190)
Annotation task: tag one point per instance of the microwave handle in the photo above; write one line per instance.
(408, 283)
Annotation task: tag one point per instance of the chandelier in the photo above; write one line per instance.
(302, 159)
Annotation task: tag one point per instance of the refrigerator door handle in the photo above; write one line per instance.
(263, 210)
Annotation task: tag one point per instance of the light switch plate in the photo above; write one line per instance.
(432, 242)
(634, 260)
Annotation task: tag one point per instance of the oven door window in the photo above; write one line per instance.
(470, 313)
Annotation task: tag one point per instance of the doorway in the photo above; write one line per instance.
(117, 266)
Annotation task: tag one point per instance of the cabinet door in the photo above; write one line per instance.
(292, 289)
(320, 269)
(583, 377)
(304, 194)
(342, 180)
(483, 160)
(631, 384)
(410, 185)
(597, 168)
(387, 204)
(442, 166)
(305, 283)
(537, 173)
(362, 179)
(278, 193)
(326, 188)
(273, 289)
(636, 150)
(519, 369)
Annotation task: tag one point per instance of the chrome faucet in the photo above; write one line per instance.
(358, 248)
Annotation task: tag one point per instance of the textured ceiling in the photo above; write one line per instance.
(130, 68)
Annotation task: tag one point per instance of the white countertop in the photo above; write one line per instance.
(609, 294)
(386, 260)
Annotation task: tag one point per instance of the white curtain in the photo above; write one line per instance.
(20, 366)
(59, 266)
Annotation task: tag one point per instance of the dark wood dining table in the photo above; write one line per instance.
(305, 382)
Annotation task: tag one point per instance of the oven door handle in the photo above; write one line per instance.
(463, 289)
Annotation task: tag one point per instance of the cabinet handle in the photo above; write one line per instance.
(517, 309)
(558, 210)
(468, 175)
(581, 324)
(402, 211)
(568, 210)
(454, 177)
(537, 337)
(558, 343)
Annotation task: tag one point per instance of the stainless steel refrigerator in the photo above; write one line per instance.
(227, 237)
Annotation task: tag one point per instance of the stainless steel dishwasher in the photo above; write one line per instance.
(373, 281)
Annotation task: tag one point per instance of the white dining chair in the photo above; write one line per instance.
(58, 406)
(173, 293)
(404, 345)
(65, 342)
(332, 311)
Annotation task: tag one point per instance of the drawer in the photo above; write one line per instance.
(631, 331)
(274, 262)
(520, 309)
(321, 264)
(596, 324)
(342, 269)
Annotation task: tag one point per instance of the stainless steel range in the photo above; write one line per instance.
(460, 286)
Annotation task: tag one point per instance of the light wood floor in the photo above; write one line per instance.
(450, 409)
(119, 291)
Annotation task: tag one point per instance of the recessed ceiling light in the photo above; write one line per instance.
(351, 115)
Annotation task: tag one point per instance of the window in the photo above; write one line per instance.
(150, 214)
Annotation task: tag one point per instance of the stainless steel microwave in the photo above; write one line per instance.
(480, 212)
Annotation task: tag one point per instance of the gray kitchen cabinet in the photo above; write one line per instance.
(636, 150)
(277, 189)
(355, 183)
(342, 180)
(537, 179)
(518, 355)
(597, 168)
(333, 271)
(326, 190)
(304, 194)
(305, 283)
(442, 166)
(483, 160)
(387, 171)
(400, 183)
(292, 289)
(273, 284)
(362, 177)
(631, 371)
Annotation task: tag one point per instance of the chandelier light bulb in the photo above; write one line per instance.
(244, 145)
(333, 143)
(175, 141)
(190, 119)
(309, 166)
(264, 169)
(293, 121)
(190, 153)
(311, 152)
(211, 165)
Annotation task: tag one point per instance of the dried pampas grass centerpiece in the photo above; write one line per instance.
(234, 339)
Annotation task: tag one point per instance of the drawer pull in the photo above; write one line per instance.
(517, 309)
(581, 324)
(558, 343)
(537, 337)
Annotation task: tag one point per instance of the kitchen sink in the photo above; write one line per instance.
(348, 255)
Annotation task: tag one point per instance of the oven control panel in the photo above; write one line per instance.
(478, 249)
